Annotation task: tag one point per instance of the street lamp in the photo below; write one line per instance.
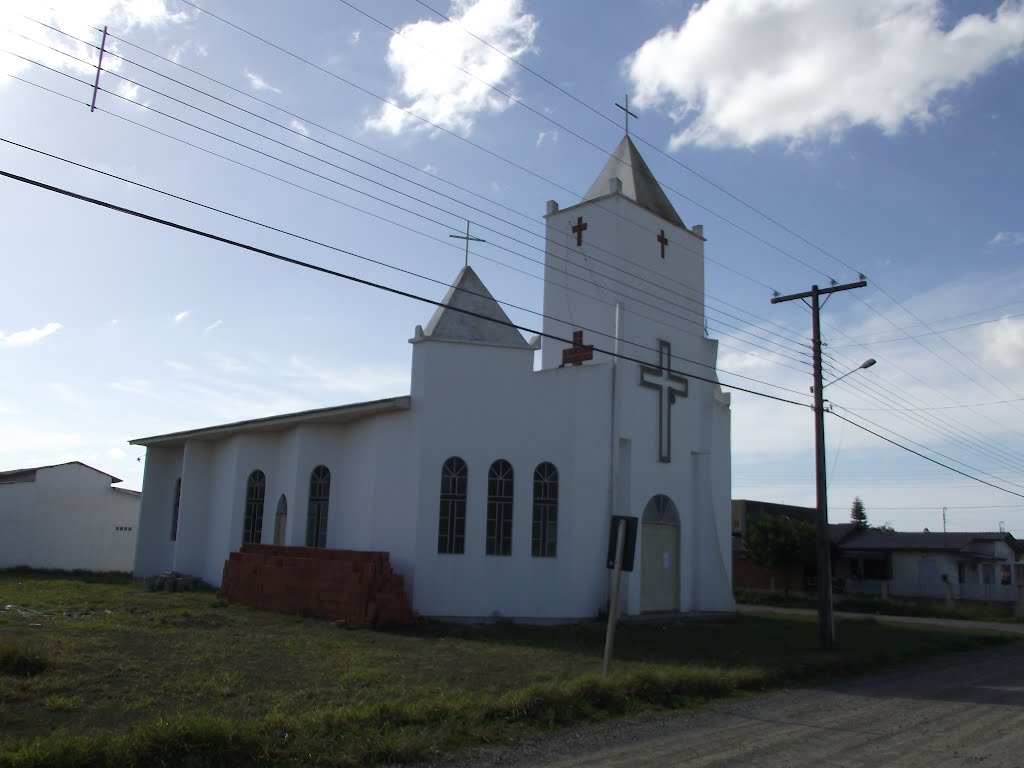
(866, 364)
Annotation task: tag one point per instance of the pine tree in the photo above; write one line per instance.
(857, 514)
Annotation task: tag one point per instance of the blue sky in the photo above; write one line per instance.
(884, 138)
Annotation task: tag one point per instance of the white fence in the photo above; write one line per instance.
(991, 593)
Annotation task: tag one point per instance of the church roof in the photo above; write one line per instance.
(341, 414)
(468, 312)
(638, 183)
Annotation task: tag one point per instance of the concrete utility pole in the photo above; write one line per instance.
(826, 621)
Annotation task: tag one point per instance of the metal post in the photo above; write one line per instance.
(826, 620)
(613, 609)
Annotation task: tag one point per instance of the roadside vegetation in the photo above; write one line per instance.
(932, 609)
(98, 672)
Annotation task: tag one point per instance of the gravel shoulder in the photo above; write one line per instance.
(956, 710)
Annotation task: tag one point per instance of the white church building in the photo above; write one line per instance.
(492, 484)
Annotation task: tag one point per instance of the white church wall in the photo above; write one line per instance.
(498, 408)
(344, 451)
(232, 462)
(369, 464)
(721, 479)
(287, 480)
(193, 510)
(395, 482)
(154, 550)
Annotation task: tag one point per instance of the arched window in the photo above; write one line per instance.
(255, 489)
(281, 520)
(174, 509)
(319, 498)
(451, 528)
(499, 508)
(661, 510)
(545, 510)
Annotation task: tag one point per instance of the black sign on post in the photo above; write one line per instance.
(629, 549)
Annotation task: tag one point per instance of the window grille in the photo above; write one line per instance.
(499, 508)
(255, 489)
(451, 528)
(319, 500)
(545, 511)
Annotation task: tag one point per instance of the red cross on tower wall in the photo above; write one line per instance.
(578, 352)
(663, 241)
(578, 229)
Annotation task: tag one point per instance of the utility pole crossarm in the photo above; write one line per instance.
(819, 291)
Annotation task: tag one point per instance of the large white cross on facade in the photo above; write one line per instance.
(668, 385)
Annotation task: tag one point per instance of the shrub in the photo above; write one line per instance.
(22, 662)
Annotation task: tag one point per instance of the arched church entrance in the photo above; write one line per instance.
(281, 520)
(659, 553)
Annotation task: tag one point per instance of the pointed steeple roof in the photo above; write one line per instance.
(638, 183)
(468, 293)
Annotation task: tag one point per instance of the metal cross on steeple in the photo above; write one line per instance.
(628, 113)
(467, 238)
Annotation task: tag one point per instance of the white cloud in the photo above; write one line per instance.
(121, 15)
(213, 326)
(429, 85)
(177, 365)
(295, 125)
(259, 84)
(182, 315)
(1003, 342)
(355, 36)
(29, 337)
(178, 51)
(1007, 239)
(550, 136)
(738, 73)
(130, 91)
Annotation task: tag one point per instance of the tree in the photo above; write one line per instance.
(857, 514)
(774, 541)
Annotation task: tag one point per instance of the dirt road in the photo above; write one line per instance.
(966, 709)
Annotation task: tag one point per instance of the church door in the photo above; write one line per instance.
(659, 552)
(281, 520)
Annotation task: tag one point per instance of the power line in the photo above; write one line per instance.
(292, 165)
(698, 323)
(928, 458)
(406, 294)
(478, 146)
(744, 377)
(939, 332)
(358, 280)
(756, 210)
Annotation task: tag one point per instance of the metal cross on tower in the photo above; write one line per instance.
(467, 238)
(628, 113)
(668, 385)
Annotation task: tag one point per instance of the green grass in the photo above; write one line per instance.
(131, 678)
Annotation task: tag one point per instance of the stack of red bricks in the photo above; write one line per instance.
(343, 585)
